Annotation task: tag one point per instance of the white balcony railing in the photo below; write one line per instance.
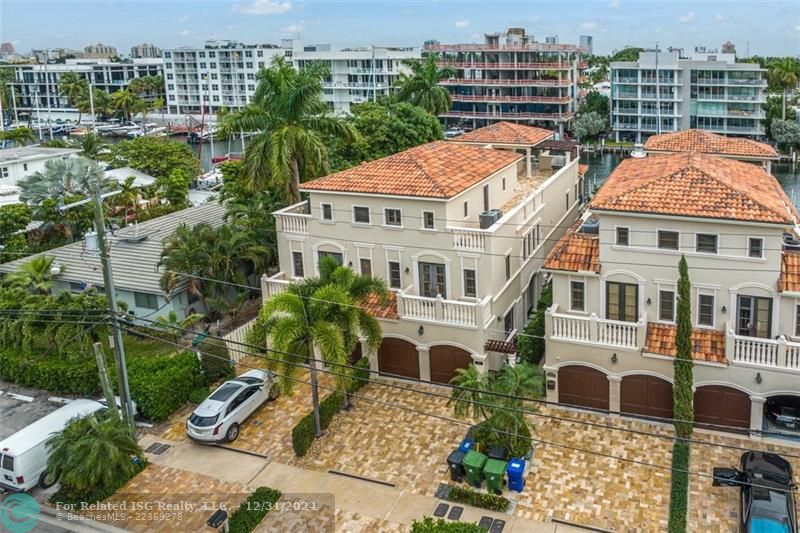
(780, 354)
(595, 331)
(441, 311)
(272, 285)
(293, 219)
(469, 239)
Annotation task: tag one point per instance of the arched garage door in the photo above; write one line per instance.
(646, 396)
(582, 386)
(445, 360)
(723, 406)
(399, 357)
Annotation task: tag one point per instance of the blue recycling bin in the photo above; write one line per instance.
(466, 445)
(516, 474)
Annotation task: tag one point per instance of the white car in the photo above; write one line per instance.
(455, 131)
(218, 418)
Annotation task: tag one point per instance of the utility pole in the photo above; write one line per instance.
(91, 104)
(105, 382)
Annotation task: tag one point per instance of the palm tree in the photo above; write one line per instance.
(73, 87)
(63, 177)
(92, 145)
(92, 454)
(128, 196)
(35, 276)
(186, 252)
(783, 74)
(293, 122)
(18, 136)
(251, 213)
(6, 90)
(124, 101)
(468, 395)
(422, 88)
(101, 101)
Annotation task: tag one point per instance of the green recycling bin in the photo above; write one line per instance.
(473, 464)
(495, 472)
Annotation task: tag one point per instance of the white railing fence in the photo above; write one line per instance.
(595, 330)
(777, 353)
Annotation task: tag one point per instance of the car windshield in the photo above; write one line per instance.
(769, 511)
(225, 392)
(202, 421)
(250, 380)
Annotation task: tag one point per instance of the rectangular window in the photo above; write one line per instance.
(577, 300)
(392, 217)
(466, 209)
(754, 317)
(755, 247)
(797, 320)
(508, 267)
(706, 243)
(4, 174)
(327, 212)
(668, 240)
(622, 301)
(508, 322)
(623, 236)
(394, 275)
(567, 200)
(705, 312)
(366, 266)
(432, 280)
(297, 264)
(470, 283)
(361, 215)
(336, 256)
(504, 184)
(666, 306)
(145, 300)
(428, 220)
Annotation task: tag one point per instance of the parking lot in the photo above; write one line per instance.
(20, 406)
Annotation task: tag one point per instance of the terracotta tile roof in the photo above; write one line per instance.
(582, 169)
(790, 272)
(708, 143)
(575, 252)
(379, 310)
(498, 346)
(695, 185)
(439, 169)
(707, 344)
(506, 133)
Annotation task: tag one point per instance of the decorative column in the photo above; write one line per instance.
(424, 354)
(756, 416)
(528, 161)
(614, 393)
(481, 362)
(551, 384)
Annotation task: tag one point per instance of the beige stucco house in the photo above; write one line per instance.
(459, 232)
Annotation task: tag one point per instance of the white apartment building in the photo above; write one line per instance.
(357, 74)
(99, 51)
(37, 91)
(145, 50)
(610, 333)
(661, 92)
(458, 230)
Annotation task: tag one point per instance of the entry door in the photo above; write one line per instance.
(432, 280)
(754, 318)
(622, 301)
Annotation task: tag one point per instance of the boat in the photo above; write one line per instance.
(150, 130)
(79, 132)
(209, 179)
(226, 157)
(638, 151)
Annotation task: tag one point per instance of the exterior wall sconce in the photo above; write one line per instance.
(499, 318)
(614, 359)
(649, 301)
(421, 331)
(724, 309)
(350, 264)
(759, 379)
(407, 270)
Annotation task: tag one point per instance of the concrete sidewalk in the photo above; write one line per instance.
(364, 497)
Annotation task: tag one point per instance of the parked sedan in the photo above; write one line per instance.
(455, 131)
(218, 418)
(783, 413)
(767, 492)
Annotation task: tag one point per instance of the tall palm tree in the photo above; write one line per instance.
(783, 74)
(128, 196)
(73, 87)
(100, 101)
(186, 252)
(92, 145)
(124, 101)
(35, 276)
(92, 453)
(421, 87)
(293, 121)
(18, 136)
(63, 177)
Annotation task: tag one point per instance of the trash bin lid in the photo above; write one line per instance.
(495, 466)
(474, 459)
(497, 452)
(516, 466)
(456, 456)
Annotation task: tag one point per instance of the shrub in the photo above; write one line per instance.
(530, 345)
(64, 496)
(198, 395)
(361, 375)
(483, 500)
(253, 510)
(62, 374)
(487, 435)
(303, 432)
(159, 386)
(679, 492)
(440, 525)
(215, 359)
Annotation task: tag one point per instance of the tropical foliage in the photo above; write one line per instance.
(293, 124)
(682, 389)
(14, 218)
(19, 136)
(62, 177)
(786, 133)
(530, 345)
(782, 76)
(421, 86)
(155, 156)
(74, 87)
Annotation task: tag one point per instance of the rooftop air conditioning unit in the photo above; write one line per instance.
(488, 218)
(90, 243)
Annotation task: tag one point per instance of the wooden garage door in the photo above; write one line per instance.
(646, 396)
(445, 360)
(583, 387)
(724, 406)
(398, 357)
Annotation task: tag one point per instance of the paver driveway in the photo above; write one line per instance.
(410, 449)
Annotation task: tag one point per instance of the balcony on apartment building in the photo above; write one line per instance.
(503, 82)
(514, 65)
(499, 114)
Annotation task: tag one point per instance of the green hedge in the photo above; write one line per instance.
(493, 432)
(530, 345)
(440, 525)
(160, 386)
(215, 360)
(253, 510)
(679, 492)
(477, 499)
(64, 496)
(361, 375)
(303, 432)
(62, 374)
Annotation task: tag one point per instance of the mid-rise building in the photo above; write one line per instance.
(7, 49)
(145, 50)
(587, 43)
(611, 331)
(45, 55)
(37, 93)
(99, 51)
(662, 92)
(510, 77)
(552, 39)
(457, 229)
(728, 48)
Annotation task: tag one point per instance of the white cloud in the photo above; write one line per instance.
(614, 4)
(461, 23)
(263, 7)
(183, 18)
(720, 16)
(589, 25)
(295, 27)
(185, 32)
(797, 28)
(688, 17)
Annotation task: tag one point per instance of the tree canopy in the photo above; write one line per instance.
(630, 53)
(155, 156)
(421, 87)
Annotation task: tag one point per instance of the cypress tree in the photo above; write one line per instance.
(683, 411)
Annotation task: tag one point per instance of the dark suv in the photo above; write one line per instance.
(767, 492)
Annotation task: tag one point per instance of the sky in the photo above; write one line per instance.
(770, 27)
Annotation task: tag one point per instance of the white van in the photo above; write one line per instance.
(23, 455)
